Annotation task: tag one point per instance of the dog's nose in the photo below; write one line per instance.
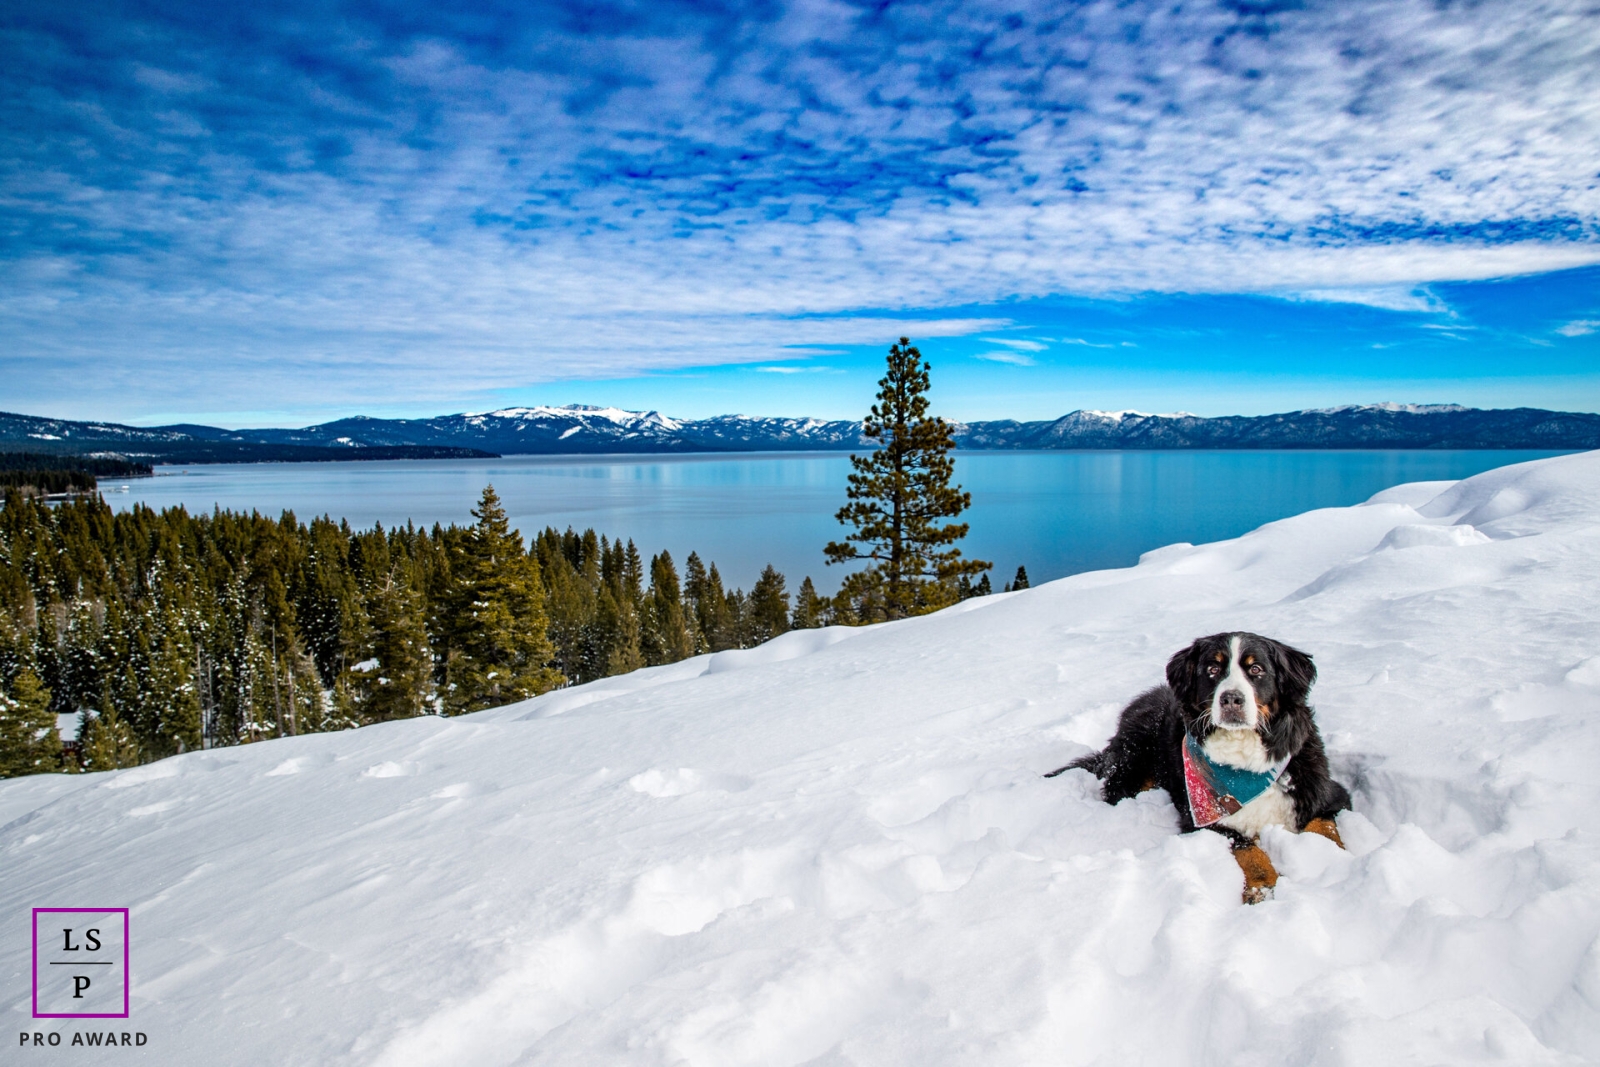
(1232, 700)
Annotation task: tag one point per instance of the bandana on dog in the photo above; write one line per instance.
(1217, 790)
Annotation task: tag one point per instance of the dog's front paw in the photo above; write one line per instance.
(1259, 874)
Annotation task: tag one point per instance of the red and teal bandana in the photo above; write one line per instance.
(1217, 790)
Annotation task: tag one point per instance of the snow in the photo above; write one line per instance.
(838, 849)
(617, 416)
(1118, 416)
(1390, 405)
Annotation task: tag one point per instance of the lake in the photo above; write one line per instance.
(1057, 513)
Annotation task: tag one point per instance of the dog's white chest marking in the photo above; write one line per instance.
(1243, 748)
(1238, 748)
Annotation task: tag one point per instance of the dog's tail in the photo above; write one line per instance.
(1094, 763)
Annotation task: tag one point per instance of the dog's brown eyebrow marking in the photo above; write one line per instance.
(1249, 659)
(1220, 657)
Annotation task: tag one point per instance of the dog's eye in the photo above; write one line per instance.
(1213, 671)
(1255, 670)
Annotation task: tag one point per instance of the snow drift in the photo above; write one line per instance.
(837, 848)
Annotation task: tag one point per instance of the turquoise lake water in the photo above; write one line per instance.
(1058, 513)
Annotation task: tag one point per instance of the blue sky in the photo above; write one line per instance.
(279, 213)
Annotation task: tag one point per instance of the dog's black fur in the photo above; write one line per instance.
(1147, 750)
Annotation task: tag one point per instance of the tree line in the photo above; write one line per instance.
(167, 632)
(51, 474)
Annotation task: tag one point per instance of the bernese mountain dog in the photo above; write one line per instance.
(1233, 742)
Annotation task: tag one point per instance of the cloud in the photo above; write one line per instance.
(1016, 359)
(1025, 346)
(1389, 298)
(1579, 327)
(293, 200)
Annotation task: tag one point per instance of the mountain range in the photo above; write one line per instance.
(581, 429)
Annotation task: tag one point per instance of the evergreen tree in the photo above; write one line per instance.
(28, 740)
(106, 742)
(718, 625)
(719, 614)
(618, 620)
(570, 604)
(897, 495)
(401, 686)
(769, 606)
(696, 587)
(668, 637)
(808, 607)
(984, 587)
(1021, 580)
(172, 690)
(633, 574)
(497, 650)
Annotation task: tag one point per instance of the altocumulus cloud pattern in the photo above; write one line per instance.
(464, 195)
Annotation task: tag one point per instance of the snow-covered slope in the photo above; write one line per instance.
(837, 848)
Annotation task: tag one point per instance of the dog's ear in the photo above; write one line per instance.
(1183, 674)
(1294, 671)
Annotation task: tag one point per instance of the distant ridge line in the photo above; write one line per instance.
(588, 430)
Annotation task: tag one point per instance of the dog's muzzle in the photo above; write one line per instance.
(1231, 709)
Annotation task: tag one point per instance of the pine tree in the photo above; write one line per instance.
(769, 606)
(718, 625)
(668, 637)
(401, 686)
(173, 685)
(497, 650)
(28, 740)
(696, 588)
(618, 620)
(984, 587)
(808, 607)
(633, 573)
(570, 603)
(107, 743)
(897, 495)
(1021, 580)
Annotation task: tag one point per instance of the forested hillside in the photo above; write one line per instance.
(169, 631)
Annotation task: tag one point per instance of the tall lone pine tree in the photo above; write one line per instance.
(897, 495)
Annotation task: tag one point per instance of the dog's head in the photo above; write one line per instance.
(1238, 681)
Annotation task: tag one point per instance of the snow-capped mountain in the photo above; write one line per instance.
(837, 848)
(581, 429)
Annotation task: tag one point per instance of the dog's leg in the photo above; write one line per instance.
(1326, 827)
(1259, 873)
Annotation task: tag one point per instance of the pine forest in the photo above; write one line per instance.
(166, 632)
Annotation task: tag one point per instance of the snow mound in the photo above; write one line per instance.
(838, 849)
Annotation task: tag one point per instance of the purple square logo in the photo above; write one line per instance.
(80, 963)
